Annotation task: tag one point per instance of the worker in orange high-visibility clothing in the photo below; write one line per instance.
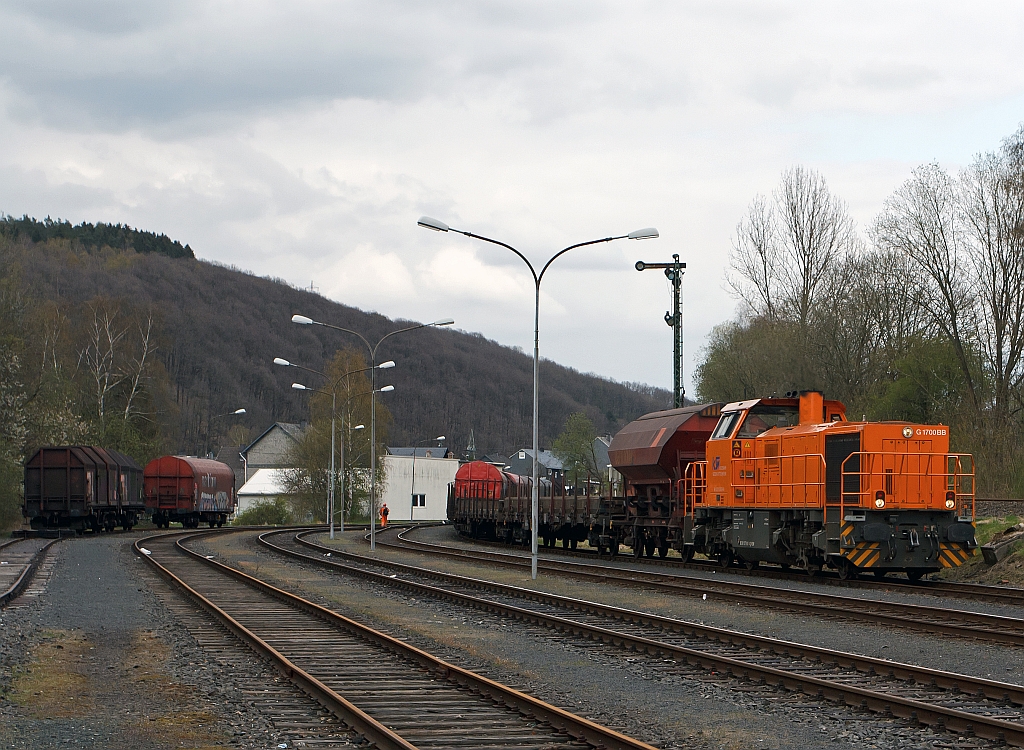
(384, 515)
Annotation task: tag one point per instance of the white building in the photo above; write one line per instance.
(264, 486)
(423, 497)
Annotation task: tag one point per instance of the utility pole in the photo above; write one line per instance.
(674, 271)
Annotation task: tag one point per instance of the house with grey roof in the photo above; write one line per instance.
(271, 449)
(521, 463)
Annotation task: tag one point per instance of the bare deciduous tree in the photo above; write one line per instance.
(785, 250)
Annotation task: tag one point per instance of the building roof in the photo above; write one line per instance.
(292, 430)
(421, 452)
(547, 458)
(264, 483)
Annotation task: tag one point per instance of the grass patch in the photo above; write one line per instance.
(51, 686)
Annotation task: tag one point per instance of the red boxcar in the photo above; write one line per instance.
(82, 487)
(189, 491)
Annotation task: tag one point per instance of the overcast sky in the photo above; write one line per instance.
(302, 140)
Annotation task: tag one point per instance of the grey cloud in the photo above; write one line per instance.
(28, 191)
(114, 68)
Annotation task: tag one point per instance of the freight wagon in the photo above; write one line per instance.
(189, 491)
(82, 487)
(488, 503)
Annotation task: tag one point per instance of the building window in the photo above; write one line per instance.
(419, 501)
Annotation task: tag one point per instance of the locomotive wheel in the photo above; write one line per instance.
(880, 574)
(846, 570)
(750, 564)
(915, 575)
(687, 553)
(725, 559)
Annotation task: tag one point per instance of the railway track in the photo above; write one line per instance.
(944, 620)
(959, 703)
(19, 561)
(972, 591)
(392, 694)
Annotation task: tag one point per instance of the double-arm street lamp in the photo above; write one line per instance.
(640, 234)
(372, 349)
(330, 489)
(334, 390)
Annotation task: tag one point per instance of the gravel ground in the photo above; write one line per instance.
(635, 694)
(98, 661)
(447, 535)
(976, 658)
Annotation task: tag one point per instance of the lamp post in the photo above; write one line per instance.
(334, 389)
(639, 234)
(412, 489)
(218, 416)
(372, 349)
(330, 488)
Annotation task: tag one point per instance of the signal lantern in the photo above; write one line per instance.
(880, 499)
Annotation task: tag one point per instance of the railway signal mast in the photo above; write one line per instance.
(674, 271)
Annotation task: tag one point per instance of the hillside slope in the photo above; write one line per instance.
(220, 328)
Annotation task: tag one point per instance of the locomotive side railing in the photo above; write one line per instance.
(881, 479)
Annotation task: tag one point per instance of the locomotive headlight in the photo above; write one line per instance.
(908, 432)
(950, 504)
(879, 502)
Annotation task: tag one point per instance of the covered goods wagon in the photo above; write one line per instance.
(189, 491)
(82, 487)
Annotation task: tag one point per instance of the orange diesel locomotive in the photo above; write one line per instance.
(791, 481)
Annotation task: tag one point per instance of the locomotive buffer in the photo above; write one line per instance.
(674, 271)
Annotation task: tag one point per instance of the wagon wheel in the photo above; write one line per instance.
(638, 547)
(613, 549)
(649, 546)
(750, 564)
(572, 544)
(687, 553)
(847, 570)
(725, 559)
(663, 550)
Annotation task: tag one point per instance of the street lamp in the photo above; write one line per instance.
(412, 489)
(334, 388)
(330, 488)
(304, 321)
(639, 234)
(210, 426)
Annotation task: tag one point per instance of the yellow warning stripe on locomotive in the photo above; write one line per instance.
(865, 554)
(953, 555)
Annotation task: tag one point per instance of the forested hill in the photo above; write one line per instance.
(193, 340)
(93, 236)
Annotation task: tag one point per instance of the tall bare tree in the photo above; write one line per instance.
(922, 221)
(786, 249)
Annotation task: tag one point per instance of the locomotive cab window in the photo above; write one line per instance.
(763, 417)
(726, 425)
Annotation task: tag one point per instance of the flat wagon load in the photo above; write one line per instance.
(82, 487)
(189, 491)
(486, 502)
